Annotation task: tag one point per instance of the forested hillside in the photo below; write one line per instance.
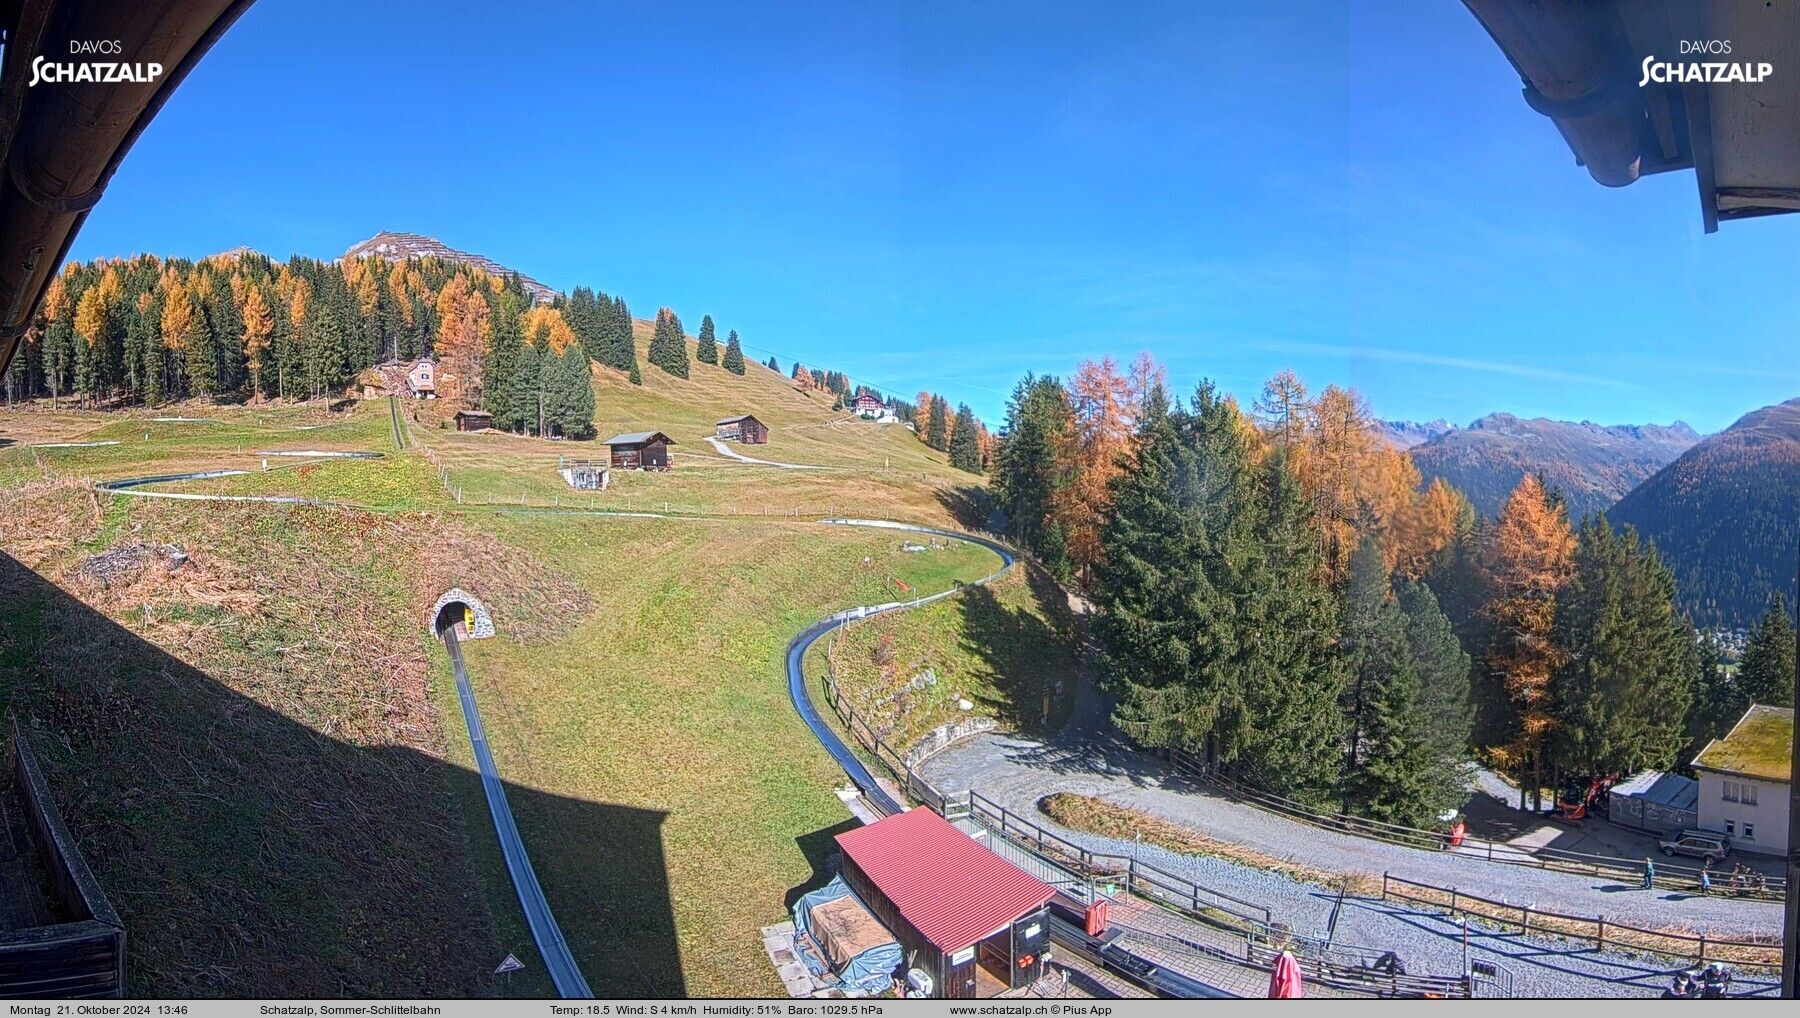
(1725, 516)
(1590, 465)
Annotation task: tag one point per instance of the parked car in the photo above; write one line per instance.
(1707, 846)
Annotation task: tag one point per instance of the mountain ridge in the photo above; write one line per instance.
(1592, 464)
(1722, 514)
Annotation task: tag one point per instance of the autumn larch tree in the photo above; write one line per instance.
(259, 323)
(462, 338)
(1095, 451)
(1527, 560)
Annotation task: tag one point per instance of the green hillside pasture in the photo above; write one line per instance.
(668, 703)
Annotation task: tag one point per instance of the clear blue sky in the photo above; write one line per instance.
(947, 196)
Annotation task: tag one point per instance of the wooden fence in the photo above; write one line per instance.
(1604, 935)
(84, 956)
(1670, 876)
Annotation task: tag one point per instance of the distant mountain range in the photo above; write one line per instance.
(1726, 516)
(1592, 465)
(401, 246)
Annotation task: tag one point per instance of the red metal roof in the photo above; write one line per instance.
(950, 887)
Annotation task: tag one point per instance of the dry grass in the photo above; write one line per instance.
(1094, 815)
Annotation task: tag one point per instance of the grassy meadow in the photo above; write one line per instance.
(269, 729)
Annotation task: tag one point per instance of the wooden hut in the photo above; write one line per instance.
(641, 450)
(973, 924)
(474, 420)
(742, 428)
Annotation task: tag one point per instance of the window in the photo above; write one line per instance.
(1747, 794)
(1731, 791)
(1730, 827)
(1749, 832)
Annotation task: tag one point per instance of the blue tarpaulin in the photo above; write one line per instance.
(836, 932)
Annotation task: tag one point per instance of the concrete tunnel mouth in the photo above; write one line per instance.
(464, 612)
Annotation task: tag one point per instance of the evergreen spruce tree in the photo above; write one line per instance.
(1622, 693)
(1287, 626)
(502, 378)
(1766, 675)
(937, 430)
(734, 354)
(1443, 670)
(668, 347)
(201, 357)
(575, 402)
(637, 378)
(1027, 477)
(965, 444)
(707, 352)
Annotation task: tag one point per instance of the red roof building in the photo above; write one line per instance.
(974, 922)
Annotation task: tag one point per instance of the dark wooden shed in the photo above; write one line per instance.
(974, 923)
(474, 420)
(743, 428)
(641, 450)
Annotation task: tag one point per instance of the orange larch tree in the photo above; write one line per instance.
(462, 338)
(1527, 559)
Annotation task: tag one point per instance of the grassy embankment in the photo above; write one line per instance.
(1007, 648)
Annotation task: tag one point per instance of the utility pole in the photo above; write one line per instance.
(1790, 926)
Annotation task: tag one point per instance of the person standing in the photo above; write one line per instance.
(1649, 873)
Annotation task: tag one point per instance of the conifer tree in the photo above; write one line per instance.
(1766, 674)
(668, 347)
(1027, 477)
(734, 354)
(1443, 669)
(503, 374)
(1621, 694)
(937, 432)
(707, 352)
(965, 442)
(1526, 561)
(258, 324)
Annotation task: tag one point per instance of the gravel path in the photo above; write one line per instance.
(1087, 758)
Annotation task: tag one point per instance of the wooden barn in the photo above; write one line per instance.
(742, 428)
(972, 923)
(641, 450)
(474, 420)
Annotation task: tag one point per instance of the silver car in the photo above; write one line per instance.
(1708, 846)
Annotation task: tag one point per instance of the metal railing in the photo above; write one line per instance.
(1676, 944)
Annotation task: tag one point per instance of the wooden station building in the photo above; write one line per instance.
(973, 923)
(641, 450)
(742, 428)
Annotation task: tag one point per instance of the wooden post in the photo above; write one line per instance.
(1525, 919)
(1600, 934)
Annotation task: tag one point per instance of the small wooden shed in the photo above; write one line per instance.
(742, 428)
(474, 420)
(641, 450)
(974, 924)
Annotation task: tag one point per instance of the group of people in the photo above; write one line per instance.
(1709, 983)
(1743, 878)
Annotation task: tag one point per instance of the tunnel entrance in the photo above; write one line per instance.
(460, 610)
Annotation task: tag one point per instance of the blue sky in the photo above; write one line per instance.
(947, 196)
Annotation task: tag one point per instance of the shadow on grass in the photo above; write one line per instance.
(1030, 663)
(971, 506)
(253, 856)
(821, 849)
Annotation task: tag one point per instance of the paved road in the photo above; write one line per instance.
(727, 451)
(1087, 758)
